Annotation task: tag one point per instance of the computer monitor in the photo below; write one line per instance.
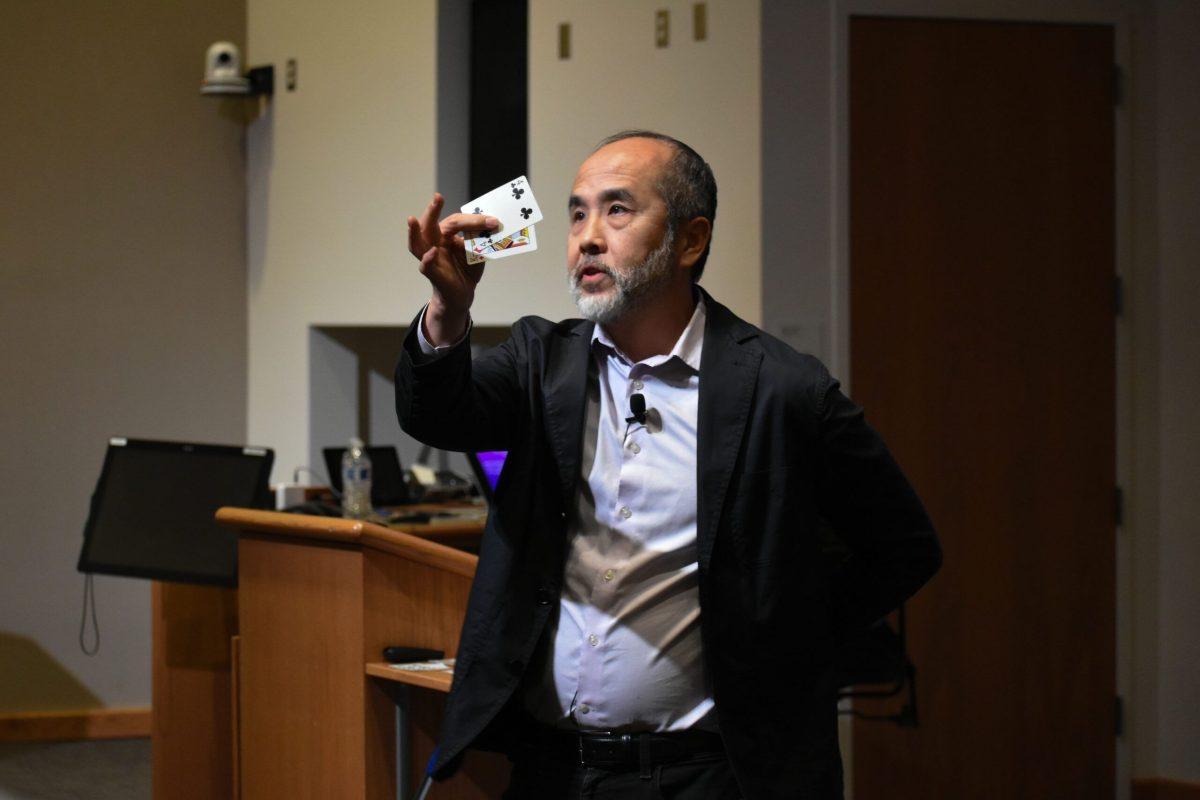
(387, 477)
(487, 464)
(152, 511)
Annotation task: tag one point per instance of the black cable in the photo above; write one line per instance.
(89, 599)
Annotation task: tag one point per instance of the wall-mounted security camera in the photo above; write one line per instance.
(223, 73)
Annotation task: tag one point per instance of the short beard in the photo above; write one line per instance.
(632, 285)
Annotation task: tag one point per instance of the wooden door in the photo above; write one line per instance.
(983, 348)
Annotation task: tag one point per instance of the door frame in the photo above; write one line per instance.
(1073, 12)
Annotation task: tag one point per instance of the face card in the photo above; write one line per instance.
(512, 203)
(522, 241)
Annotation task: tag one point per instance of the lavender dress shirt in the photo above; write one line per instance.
(624, 651)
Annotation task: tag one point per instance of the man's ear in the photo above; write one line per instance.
(693, 238)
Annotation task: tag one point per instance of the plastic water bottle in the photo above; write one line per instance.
(356, 481)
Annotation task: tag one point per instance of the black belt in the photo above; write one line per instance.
(623, 750)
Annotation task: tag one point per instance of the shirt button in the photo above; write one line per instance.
(584, 709)
(593, 639)
(638, 385)
(609, 574)
(625, 512)
(636, 448)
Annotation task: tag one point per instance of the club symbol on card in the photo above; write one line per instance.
(526, 212)
(517, 193)
(478, 210)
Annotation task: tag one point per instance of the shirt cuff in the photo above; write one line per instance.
(427, 348)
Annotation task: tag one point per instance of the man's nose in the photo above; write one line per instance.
(591, 238)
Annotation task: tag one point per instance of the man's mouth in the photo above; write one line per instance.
(592, 275)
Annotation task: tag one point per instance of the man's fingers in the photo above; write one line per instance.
(429, 223)
(439, 260)
(415, 245)
(439, 245)
(429, 262)
(469, 224)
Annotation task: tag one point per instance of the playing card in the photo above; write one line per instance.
(512, 203)
(522, 241)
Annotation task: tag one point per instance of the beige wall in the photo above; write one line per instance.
(122, 306)
(333, 169)
(705, 93)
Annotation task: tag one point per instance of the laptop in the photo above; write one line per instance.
(151, 513)
(487, 465)
(387, 477)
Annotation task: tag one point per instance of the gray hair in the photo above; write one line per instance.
(687, 185)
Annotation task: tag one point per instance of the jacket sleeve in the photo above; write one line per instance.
(874, 511)
(456, 402)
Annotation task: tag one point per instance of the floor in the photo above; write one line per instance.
(93, 770)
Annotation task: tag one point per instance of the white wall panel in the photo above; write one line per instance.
(333, 170)
(705, 93)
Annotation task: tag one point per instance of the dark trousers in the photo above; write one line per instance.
(703, 777)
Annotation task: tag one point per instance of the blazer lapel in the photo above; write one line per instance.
(728, 374)
(564, 387)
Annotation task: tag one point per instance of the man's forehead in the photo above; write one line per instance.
(629, 164)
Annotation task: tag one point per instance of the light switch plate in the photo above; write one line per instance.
(699, 21)
(564, 41)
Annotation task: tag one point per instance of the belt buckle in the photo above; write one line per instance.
(579, 739)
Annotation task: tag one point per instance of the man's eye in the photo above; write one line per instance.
(576, 216)
(617, 209)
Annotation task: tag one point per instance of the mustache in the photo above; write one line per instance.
(590, 262)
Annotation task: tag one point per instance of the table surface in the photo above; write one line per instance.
(453, 530)
(446, 530)
(438, 680)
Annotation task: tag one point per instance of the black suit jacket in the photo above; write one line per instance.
(782, 455)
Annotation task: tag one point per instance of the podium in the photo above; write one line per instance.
(313, 711)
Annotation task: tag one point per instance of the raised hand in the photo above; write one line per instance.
(439, 248)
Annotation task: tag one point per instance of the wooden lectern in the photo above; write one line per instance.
(314, 709)
(192, 710)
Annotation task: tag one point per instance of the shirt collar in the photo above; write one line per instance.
(687, 347)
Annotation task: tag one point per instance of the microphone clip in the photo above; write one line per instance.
(637, 408)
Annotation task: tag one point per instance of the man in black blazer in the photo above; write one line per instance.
(690, 655)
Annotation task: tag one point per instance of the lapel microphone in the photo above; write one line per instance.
(637, 407)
